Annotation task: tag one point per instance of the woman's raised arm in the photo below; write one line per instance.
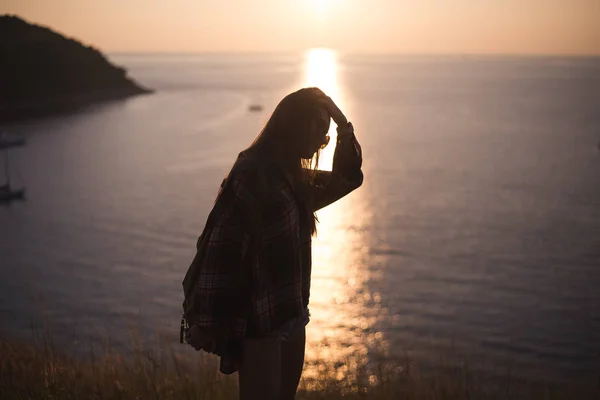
(346, 175)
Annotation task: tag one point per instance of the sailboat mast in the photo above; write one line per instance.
(6, 171)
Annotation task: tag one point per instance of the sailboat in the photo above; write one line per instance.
(7, 192)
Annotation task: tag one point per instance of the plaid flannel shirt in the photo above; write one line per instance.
(255, 296)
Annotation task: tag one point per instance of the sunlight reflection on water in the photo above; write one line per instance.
(473, 231)
(341, 322)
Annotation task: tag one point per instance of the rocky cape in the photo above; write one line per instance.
(43, 72)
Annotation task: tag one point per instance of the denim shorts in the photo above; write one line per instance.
(230, 356)
(291, 327)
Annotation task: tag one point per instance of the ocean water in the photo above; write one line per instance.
(477, 227)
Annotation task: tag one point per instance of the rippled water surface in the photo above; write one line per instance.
(478, 224)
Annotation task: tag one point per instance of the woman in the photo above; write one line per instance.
(252, 289)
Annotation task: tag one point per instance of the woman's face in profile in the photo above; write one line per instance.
(316, 135)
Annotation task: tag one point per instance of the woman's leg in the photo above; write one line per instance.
(260, 369)
(292, 361)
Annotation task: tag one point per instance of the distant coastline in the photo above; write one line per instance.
(43, 72)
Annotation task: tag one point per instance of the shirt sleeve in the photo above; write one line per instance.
(346, 175)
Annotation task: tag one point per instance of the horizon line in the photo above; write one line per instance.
(348, 53)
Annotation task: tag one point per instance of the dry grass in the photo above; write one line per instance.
(39, 371)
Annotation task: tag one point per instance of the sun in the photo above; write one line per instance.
(322, 6)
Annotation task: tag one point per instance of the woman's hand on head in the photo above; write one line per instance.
(334, 111)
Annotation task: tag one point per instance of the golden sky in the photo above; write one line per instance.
(373, 26)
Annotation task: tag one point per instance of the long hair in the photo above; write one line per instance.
(286, 128)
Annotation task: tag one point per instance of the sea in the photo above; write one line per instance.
(476, 231)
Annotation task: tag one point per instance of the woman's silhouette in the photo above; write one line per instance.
(251, 291)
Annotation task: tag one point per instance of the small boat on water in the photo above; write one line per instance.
(7, 192)
(255, 107)
(7, 141)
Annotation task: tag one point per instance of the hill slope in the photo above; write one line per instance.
(42, 72)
